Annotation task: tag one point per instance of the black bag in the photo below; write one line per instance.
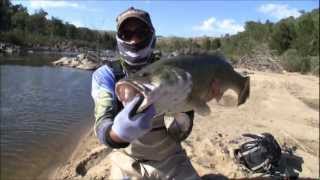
(260, 154)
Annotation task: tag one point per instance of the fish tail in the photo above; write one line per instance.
(245, 90)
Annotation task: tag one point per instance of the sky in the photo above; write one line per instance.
(174, 18)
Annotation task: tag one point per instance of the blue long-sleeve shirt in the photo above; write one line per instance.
(106, 104)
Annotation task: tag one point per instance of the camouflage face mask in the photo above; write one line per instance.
(135, 57)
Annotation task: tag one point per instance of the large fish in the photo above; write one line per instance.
(183, 83)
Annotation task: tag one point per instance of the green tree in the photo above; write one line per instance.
(215, 43)
(107, 41)
(4, 15)
(176, 43)
(19, 20)
(258, 31)
(71, 31)
(304, 31)
(316, 33)
(206, 44)
(86, 34)
(283, 35)
(57, 27)
(37, 23)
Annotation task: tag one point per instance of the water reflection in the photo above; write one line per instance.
(43, 110)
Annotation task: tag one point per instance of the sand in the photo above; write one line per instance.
(285, 105)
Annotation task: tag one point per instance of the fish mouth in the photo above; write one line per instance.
(127, 90)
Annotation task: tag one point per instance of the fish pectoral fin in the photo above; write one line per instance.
(201, 108)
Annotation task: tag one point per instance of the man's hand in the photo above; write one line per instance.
(128, 125)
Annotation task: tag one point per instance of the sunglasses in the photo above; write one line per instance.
(137, 35)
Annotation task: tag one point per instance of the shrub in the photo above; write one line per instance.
(314, 65)
(293, 62)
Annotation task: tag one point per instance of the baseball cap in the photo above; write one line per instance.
(134, 13)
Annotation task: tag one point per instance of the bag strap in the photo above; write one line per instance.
(253, 136)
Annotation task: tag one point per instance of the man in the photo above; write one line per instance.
(144, 146)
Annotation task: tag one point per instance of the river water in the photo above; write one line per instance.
(44, 110)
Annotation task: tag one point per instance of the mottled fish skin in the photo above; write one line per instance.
(185, 83)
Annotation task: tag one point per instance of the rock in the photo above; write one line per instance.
(174, 54)
(2, 47)
(108, 53)
(74, 63)
(77, 62)
(66, 61)
(81, 56)
(9, 50)
(60, 61)
(86, 61)
(88, 66)
(92, 56)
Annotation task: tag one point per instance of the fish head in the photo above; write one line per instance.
(157, 85)
(139, 83)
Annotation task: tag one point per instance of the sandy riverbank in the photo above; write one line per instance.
(285, 105)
